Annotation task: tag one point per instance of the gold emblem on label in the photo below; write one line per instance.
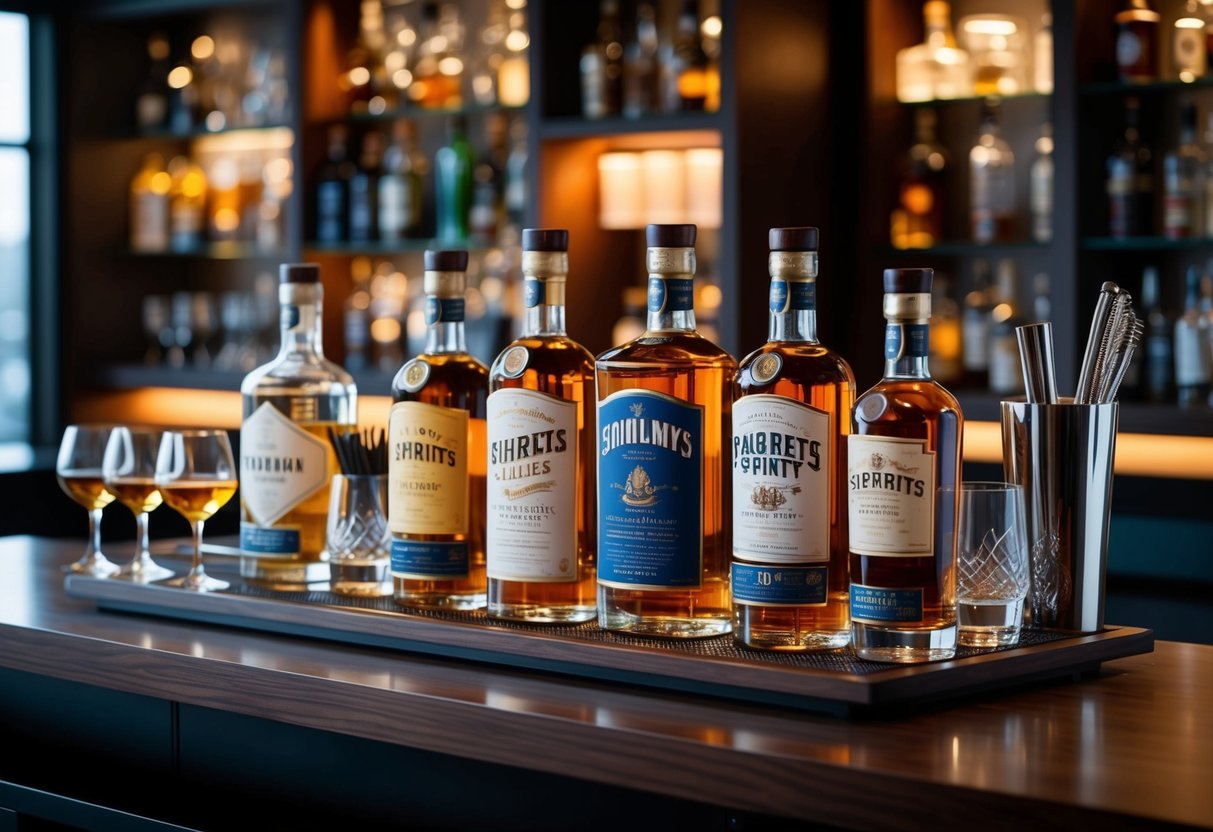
(766, 368)
(639, 490)
(515, 361)
(416, 373)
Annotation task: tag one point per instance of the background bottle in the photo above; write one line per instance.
(400, 185)
(363, 188)
(542, 454)
(602, 66)
(664, 426)
(1006, 374)
(1192, 371)
(903, 539)
(991, 182)
(332, 189)
(1183, 181)
(1157, 346)
(918, 221)
(975, 327)
(149, 205)
(438, 455)
(1130, 182)
(789, 572)
(1137, 41)
(640, 64)
(286, 459)
(453, 183)
(1188, 52)
(1041, 186)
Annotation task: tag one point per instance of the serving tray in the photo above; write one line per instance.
(835, 681)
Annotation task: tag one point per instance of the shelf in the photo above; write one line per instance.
(167, 134)
(968, 99)
(136, 376)
(1135, 417)
(1102, 88)
(1145, 243)
(423, 113)
(388, 247)
(576, 127)
(964, 248)
(217, 251)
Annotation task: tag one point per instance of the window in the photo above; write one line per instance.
(14, 228)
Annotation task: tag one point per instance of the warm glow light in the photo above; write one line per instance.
(160, 183)
(711, 27)
(406, 37)
(990, 26)
(664, 186)
(516, 4)
(180, 77)
(393, 60)
(402, 78)
(450, 65)
(193, 185)
(513, 82)
(620, 191)
(226, 219)
(705, 186)
(203, 47)
(711, 296)
(438, 43)
(215, 121)
(359, 75)
(1189, 23)
(517, 40)
(158, 48)
(385, 330)
(245, 141)
(277, 170)
(377, 106)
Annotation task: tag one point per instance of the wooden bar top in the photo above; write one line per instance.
(1130, 749)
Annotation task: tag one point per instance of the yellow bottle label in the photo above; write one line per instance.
(428, 469)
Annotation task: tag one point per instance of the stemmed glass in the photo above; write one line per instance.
(129, 469)
(78, 468)
(196, 476)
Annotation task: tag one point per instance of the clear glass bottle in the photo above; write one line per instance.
(975, 328)
(640, 64)
(1042, 56)
(692, 68)
(791, 416)
(1183, 181)
(1188, 52)
(187, 204)
(541, 534)
(602, 66)
(947, 350)
(1041, 186)
(1192, 370)
(1130, 182)
(286, 459)
(400, 185)
(904, 456)
(991, 182)
(664, 407)
(149, 205)
(934, 68)
(1006, 374)
(438, 455)
(918, 221)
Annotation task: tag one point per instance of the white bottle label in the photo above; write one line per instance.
(427, 469)
(1006, 375)
(781, 481)
(532, 519)
(891, 504)
(149, 222)
(1191, 355)
(976, 333)
(281, 464)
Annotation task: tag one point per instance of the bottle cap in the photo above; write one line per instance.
(299, 273)
(545, 239)
(793, 239)
(670, 236)
(446, 261)
(908, 281)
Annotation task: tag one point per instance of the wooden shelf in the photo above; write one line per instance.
(1109, 88)
(471, 110)
(1145, 243)
(217, 251)
(970, 99)
(168, 134)
(575, 127)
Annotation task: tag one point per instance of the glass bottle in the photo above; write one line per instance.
(149, 205)
(516, 166)
(664, 408)
(975, 328)
(151, 102)
(1042, 56)
(947, 353)
(991, 182)
(1192, 370)
(400, 185)
(1183, 181)
(1159, 364)
(542, 454)
(356, 317)
(438, 71)
(640, 64)
(904, 474)
(602, 66)
(363, 188)
(934, 68)
(332, 189)
(791, 416)
(1130, 183)
(691, 64)
(1006, 374)
(286, 459)
(438, 455)
(918, 221)
(1136, 41)
(1188, 51)
(453, 183)
(514, 71)
(187, 204)
(1041, 186)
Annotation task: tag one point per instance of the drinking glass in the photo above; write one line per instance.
(78, 468)
(129, 469)
(357, 536)
(196, 476)
(992, 564)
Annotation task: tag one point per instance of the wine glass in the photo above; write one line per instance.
(196, 476)
(78, 468)
(129, 469)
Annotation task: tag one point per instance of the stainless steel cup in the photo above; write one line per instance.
(1062, 456)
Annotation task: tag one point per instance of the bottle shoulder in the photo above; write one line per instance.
(807, 360)
(670, 348)
(905, 400)
(313, 373)
(547, 354)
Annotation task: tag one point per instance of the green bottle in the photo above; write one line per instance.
(453, 183)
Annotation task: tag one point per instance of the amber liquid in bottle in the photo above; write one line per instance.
(555, 581)
(920, 465)
(790, 542)
(682, 368)
(446, 377)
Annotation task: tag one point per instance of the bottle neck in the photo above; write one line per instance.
(543, 291)
(793, 298)
(671, 289)
(907, 335)
(445, 319)
(544, 318)
(300, 319)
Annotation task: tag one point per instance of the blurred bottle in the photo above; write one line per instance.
(356, 314)
(187, 204)
(1042, 57)
(516, 166)
(975, 328)
(151, 102)
(1192, 358)
(1183, 181)
(934, 68)
(1042, 300)
(453, 185)
(400, 184)
(1041, 186)
(632, 323)
(945, 360)
(223, 199)
(602, 66)
(692, 69)
(438, 71)
(1006, 374)
(332, 188)
(991, 182)
(918, 220)
(1130, 183)
(640, 64)
(1158, 364)
(184, 105)
(364, 190)
(1188, 51)
(485, 209)
(1136, 41)
(514, 71)
(149, 205)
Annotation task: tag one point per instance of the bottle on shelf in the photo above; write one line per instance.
(286, 459)
(400, 184)
(363, 189)
(1006, 374)
(1041, 186)
(453, 167)
(692, 70)
(1183, 181)
(640, 68)
(332, 188)
(991, 182)
(149, 205)
(1158, 346)
(1189, 53)
(918, 221)
(542, 454)
(602, 66)
(516, 165)
(935, 68)
(187, 204)
(1130, 183)
(1192, 359)
(438, 455)
(514, 70)
(356, 317)
(975, 328)
(1042, 56)
(947, 353)
(184, 99)
(664, 406)
(1137, 41)
(791, 416)
(151, 102)
(437, 80)
(902, 533)
(1207, 178)
(997, 48)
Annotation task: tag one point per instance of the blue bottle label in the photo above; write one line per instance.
(878, 605)
(429, 560)
(269, 542)
(671, 294)
(533, 292)
(906, 341)
(801, 586)
(445, 310)
(792, 296)
(650, 491)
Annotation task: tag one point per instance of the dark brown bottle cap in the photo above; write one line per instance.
(545, 239)
(793, 239)
(446, 261)
(299, 273)
(908, 281)
(670, 236)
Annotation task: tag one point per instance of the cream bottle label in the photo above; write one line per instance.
(427, 469)
(281, 465)
(891, 500)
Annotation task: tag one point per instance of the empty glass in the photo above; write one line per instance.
(358, 539)
(78, 468)
(196, 476)
(129, 469)
(992, 564)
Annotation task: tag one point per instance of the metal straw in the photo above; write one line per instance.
(1036, 358)
(1097, 345)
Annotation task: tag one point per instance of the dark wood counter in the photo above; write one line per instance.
(1132, 748)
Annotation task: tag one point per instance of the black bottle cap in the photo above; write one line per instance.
(670, 236)
(446, 261)
(908, 281)
(299, 273)
(793, 239)
(545, 239)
